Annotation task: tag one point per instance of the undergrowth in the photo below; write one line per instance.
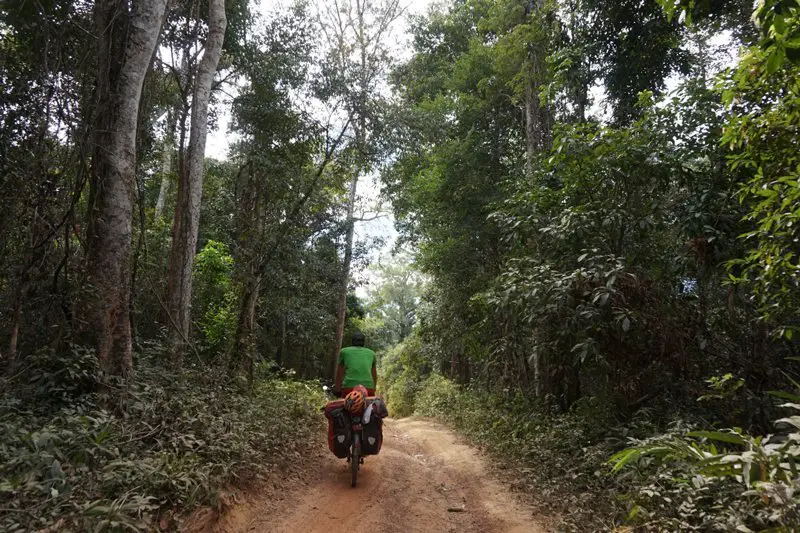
(673, 479)
(80, 455)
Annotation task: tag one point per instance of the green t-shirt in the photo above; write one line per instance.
(357, 362)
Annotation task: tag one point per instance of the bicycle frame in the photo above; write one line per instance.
(355, 459)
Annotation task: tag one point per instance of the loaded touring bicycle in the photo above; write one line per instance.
(355, 428)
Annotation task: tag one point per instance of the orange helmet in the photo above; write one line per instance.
(354, 402)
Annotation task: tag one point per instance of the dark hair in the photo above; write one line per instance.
(357, 339)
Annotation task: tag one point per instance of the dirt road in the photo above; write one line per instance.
(424, 480)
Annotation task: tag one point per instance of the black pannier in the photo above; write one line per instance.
(340, 435)
(373, 431)
(372, 436)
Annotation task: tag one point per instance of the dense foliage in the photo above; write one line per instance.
(607, 233)
(599, 205)
(69, 461)
(148, 295)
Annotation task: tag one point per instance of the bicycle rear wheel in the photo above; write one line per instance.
(355, 459)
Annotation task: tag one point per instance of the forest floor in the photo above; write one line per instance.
(424, 480)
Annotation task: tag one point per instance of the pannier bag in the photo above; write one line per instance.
(378, 406)
(339, 434)
(373, 429)
(372, 436)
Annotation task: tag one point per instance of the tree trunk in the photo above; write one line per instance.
(544, 373)
(538, 118)
(572, 387)
(582, 101)
(166, 164)
(126, 44)
(251, 221)
(14, 337)
(243, 344)
(190, 188)
(341, 316)
(251, 228)
(281, 356)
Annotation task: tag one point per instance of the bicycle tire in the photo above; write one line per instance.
(355, 458)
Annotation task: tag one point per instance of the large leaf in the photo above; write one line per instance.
(791, 420)
(720, 436)
(620, 459)
(784, 395)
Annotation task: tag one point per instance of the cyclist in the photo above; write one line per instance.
(356, 367)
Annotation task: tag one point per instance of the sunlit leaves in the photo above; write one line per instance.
(763, 467)
(764, 99)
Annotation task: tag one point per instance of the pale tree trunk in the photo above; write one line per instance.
(166, 164)
(538, 126)
(538, 118)
(341, 316)
(358, 111)
(190, 188)
(537, 122)
(126, 43)
(14, 337)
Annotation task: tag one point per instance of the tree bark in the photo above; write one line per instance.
(538, 117)
(281, 355)
(341, 315)
(243, 343)
(190, 188)
(126, 43)
(538, 127)
(14, 337)
(166, 164)
(538, 387)
(250, 229)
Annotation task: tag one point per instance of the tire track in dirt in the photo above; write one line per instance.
(422, 471)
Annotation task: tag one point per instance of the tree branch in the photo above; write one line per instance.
(284, 227)
(370, 219)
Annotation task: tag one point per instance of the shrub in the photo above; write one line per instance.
(401, 396)
(215, 296)
(169, 442)
(437, 397)
(402, 373)
(716, 480)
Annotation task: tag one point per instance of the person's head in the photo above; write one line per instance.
(357, 339)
